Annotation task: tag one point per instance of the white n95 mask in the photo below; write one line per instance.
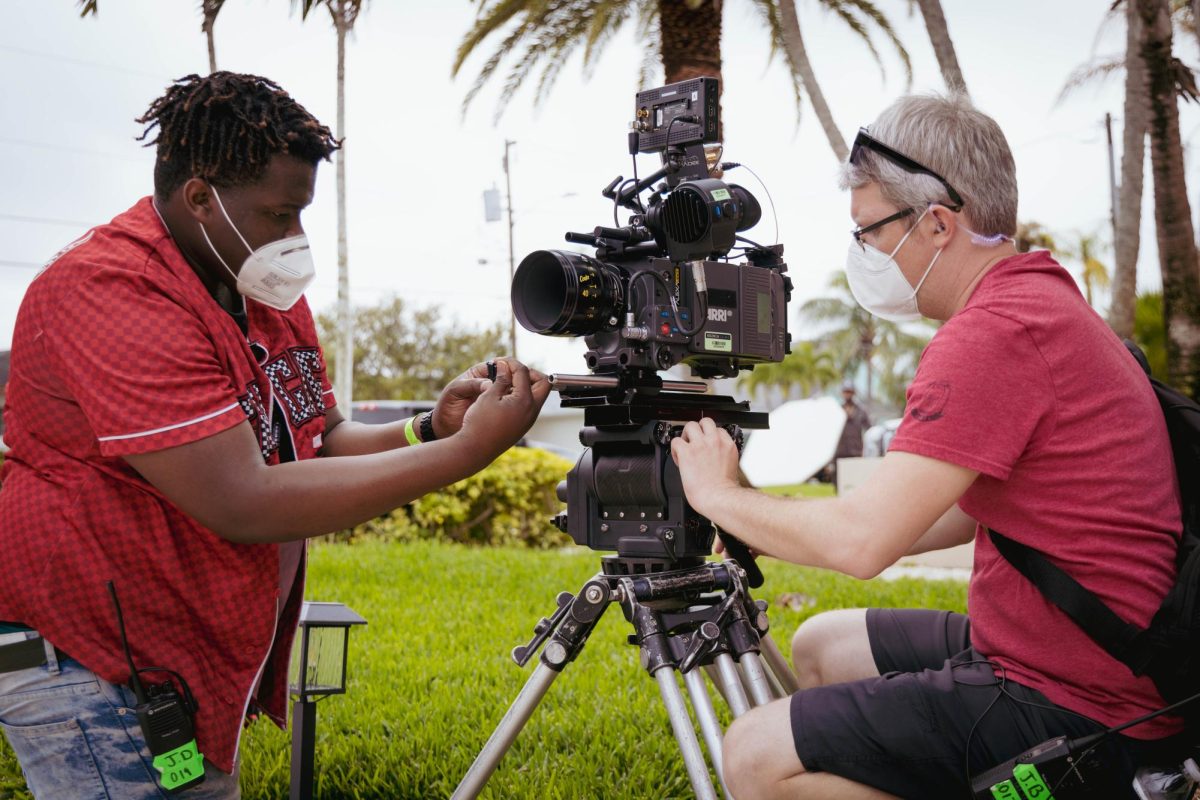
(879, 285)
(275, 274)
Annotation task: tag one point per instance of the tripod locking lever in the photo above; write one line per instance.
(542, 630)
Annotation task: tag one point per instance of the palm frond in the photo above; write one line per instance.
(490, 20)
(769, 11)
(1098, 69)
(870, 10)
(839, 8)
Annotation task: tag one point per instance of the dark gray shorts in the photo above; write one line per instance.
(937, 714)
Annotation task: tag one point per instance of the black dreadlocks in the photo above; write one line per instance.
(225, 127)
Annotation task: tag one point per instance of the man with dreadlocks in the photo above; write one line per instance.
(173, 431)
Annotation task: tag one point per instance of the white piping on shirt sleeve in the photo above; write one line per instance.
(166, 428)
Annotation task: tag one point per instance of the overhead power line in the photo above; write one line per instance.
(83, 151)
(70, 223)
(82, 62)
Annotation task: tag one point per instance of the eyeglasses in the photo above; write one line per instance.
(857, 233)
(865, 139)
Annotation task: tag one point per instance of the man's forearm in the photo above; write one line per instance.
(823, 532)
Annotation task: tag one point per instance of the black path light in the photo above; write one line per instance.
(318, 670)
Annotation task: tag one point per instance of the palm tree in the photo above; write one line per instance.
(805, 368)
(685, 35)
(943, 47)
(344, 14)
(208, 8)
(784, 24)
(1127, 236)
(1033, 235)
(1172, 211)
(855, 337)
(1094, 272)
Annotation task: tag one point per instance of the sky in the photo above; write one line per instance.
(417, 166)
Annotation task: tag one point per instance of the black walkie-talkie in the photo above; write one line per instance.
(166, 720)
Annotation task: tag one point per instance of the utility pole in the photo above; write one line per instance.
(512, 267)
(1112, 178)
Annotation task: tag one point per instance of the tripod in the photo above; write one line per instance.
(696, 619)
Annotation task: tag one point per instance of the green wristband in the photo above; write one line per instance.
(409, 433)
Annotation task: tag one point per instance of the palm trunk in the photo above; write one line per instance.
(1176, 245)
(943, 47)
(1127, 237)
(210, 18)
(691, 43)
(691, 39)
(345, 358)
(793, 44)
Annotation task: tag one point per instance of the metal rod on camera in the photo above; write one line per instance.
(506, 733)
(558, 382)
(731, 685)
(709, 726)
(779, 665)
(756, 677)
(685, 734)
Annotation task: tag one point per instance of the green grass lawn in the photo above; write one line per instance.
(430, 677)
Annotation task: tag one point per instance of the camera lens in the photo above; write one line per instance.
(560, 293)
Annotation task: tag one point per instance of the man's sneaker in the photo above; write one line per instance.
(1163, 783)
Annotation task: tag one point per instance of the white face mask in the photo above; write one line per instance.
(879, 285)
(275, 274)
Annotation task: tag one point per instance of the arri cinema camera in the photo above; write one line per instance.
(661, 290)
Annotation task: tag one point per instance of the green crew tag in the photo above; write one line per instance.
(182, 765)
(1031, 783)
(1006, 790)
(720, 342)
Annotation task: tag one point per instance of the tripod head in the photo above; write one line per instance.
(625, 492)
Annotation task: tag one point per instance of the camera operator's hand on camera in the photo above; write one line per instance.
(501, 415)
(460, 393)
(708, 463)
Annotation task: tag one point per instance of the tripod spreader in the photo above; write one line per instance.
(569, 626)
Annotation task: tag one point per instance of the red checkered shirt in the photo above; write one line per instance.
(119, 349)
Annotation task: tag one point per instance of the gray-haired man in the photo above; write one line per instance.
(1026, 416)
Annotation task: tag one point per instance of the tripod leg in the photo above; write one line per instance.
(693, 758)
(731, 685)
(756, 677)
(776, 687)
(506, 733)
(779, 665)
(709, 726)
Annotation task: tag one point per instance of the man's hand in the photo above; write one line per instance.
(457, 397)
(498, 417)
(708, 463)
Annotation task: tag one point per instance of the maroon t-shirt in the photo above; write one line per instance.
(1027, 385)
(119, 349)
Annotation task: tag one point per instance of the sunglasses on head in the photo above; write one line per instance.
(865, 140)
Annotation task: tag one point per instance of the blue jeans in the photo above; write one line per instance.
(77, 738)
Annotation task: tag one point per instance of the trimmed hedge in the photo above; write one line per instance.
(509, 502)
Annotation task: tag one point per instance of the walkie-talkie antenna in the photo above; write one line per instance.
(134, 681)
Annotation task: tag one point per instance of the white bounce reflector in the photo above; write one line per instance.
(802, 438)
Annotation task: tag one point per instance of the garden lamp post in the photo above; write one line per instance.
(318, 670)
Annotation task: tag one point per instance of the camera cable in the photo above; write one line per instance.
(728, 165)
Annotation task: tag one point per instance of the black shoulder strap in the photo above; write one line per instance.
(1118, 637)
